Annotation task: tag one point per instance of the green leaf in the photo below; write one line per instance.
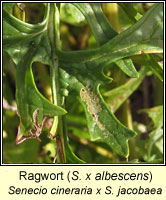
(154, 66)
(97, 20)
(156, 114)
(129, 10)
(147, 146)
(146, 35)
(70, 14)
(26, 89)
(27, 43)
(102, 124)
(84, 68)
(70, 156)
(155, 136)
(127, 66)
(19, 36)
(103, 32)
(80, 71)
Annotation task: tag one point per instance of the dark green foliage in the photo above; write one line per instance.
(79, 80)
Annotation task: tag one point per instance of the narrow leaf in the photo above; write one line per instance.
(129, 10)
(154, 66)
(127, 66)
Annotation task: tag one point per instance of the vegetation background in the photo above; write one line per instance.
(141, 111)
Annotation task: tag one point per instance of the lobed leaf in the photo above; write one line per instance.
(80, 71)
(83, 69)
(104, 32)
(25, 44)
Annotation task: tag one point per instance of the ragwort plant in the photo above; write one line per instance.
(81, 77)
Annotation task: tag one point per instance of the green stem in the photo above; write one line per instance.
(53, 69)
(57, 128)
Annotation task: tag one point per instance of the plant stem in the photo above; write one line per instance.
(57, 128)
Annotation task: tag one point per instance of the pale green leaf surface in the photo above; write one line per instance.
(156, 115)
(70, 14)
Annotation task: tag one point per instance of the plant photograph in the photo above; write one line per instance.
(82, 83)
